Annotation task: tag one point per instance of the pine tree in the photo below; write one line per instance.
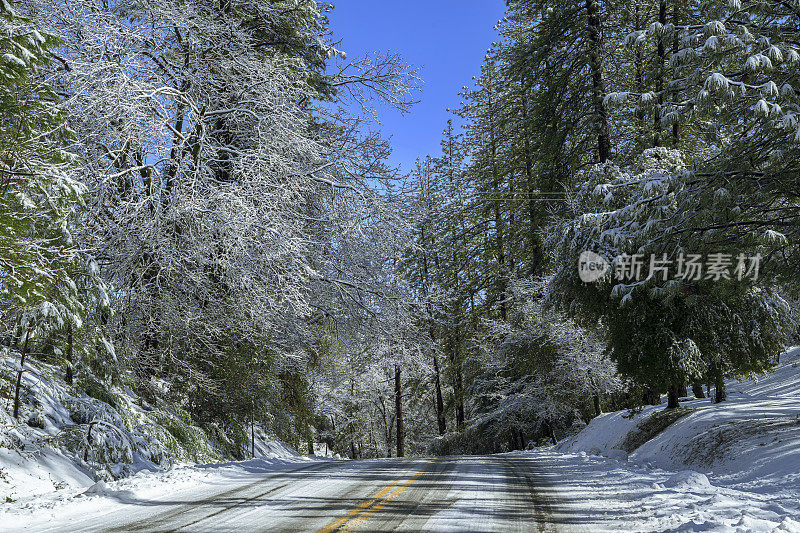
(46, 283)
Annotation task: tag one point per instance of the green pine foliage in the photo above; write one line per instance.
(38, 196)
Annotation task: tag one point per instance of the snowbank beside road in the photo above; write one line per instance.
(733, 466)
(597, 494)
(65, 439)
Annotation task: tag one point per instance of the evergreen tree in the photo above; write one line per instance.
(47, 284)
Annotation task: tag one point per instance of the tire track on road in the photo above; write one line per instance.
(165, 521)
(542, 509)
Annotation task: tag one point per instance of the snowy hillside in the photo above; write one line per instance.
(734, 466)
(66, 440)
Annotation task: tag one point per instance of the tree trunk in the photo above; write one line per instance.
(682, 392)
(20, 371)
(460, 399)
(398, 405)
(439, 401)
(548, 427)
(440, 420)
(253, 437)
(598, 86)
(458, 376)
(70, 363)
(672, 397)
(387, 423)
(641, 119)
(499, 230)
(662, 19)
(720, 393)
(533, 210)
(652, 397)
(697, 390)
(676, 128)
(597, 410)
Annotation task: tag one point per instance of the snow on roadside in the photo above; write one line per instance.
(188, 482)
(731, 467)
(599, 494)
(65, 440)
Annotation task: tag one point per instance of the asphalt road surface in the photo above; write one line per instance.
(481, 493)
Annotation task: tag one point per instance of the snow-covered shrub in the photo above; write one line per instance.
(185, 441)
(95, 388)
(151, 449)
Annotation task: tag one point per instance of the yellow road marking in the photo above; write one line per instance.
(363, 517)
(371, 505)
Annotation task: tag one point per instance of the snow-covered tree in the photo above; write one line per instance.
(231, 201)
(666, 323)
(47, 283)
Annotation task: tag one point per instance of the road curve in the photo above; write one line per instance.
(480, 493)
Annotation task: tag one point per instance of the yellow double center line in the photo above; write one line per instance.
(374, 503)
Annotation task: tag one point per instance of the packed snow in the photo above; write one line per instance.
(729, 467)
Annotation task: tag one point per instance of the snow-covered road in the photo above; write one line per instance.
(497, 493)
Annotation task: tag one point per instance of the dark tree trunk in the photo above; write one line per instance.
(388, 443)
(20, 371)
(398, 405)
(641, 122)
(676, 128)
(500, 251)
(548, 428)
(598, 86)
(440, 420)
(652, 397)
(501, 258)
(460, 399)
(439, 401)
(533, 209)
(682, 392)
(672, 397)
(597, 410)
(387, 423)
(720, 393)
(522, 441)
(253, 437)
(458, 376)
(662, 18)
(70, 362)
(697, 390)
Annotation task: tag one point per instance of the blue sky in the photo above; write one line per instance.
(447, 37)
